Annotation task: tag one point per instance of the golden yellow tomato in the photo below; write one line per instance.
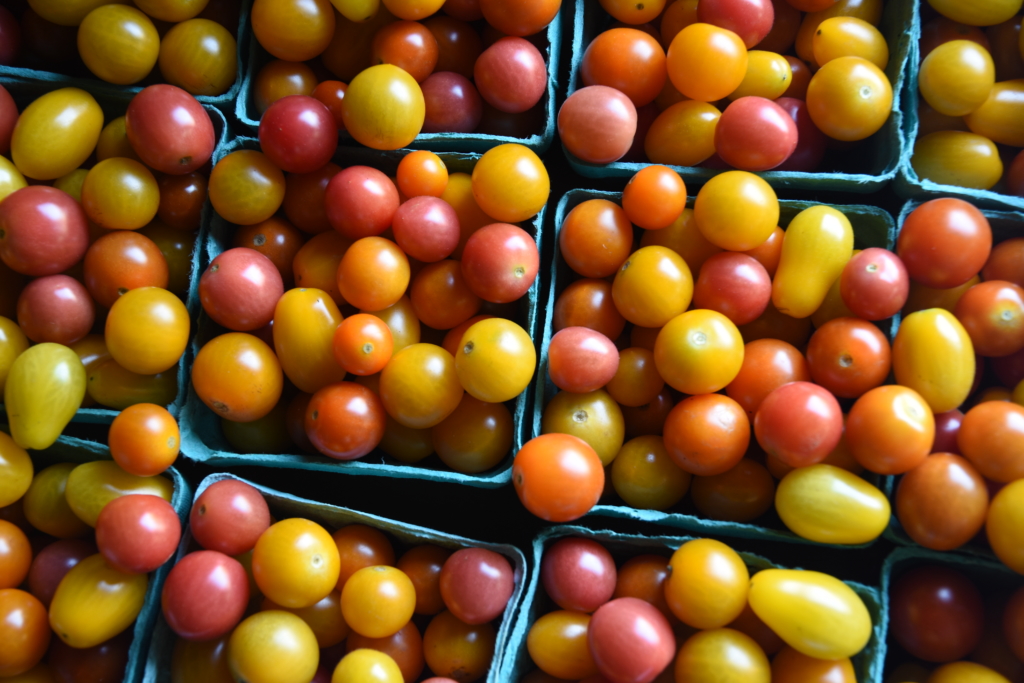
(557, 643)
(707, 585)
(199, 56)
(13, 343)
(933, 355)
(304, 324)
(120, 194)
(683, 134)
(1004, 525)
(147, 330)
(357, 10)
(420, 386)
(721, 654)
(94, 602)
(67, 12)
(868, 10)
(954, 157)
(383, 107)
(15, 470)
(814, 613)
(699, 352)
(118, 43)
(238, 377)
(402, 321)
(273, 647)
(957, 77)
(172, 10)
(293, 30)
(495, 360)
(965, 672)
(849, 37)
(56, 133)
(652, 286)
(44, 389)
(827, 504)
(46, 506)
(367, 666)
(246, 188)
(768, 75)
(815, 249)
(510, 182)
(378, 601)
(114, 142)
(849, 98)
(594, 417)
(295, 563)
(92, 485)
(1001, 117)
(112, 386)
(977, 12)
(11, 178)
(736, 210)
(646, 477)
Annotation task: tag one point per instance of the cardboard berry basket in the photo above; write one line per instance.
(906, 183)
(548, 41)
(202, 438)
(87, 81)
(517, 663)
(284, 505)
(872, 226)
(114, 102)
(866, 167)
(73, 450)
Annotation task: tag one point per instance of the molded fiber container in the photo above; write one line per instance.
(202, 439)
(114, 102)
(284, 505)
(223, 102)
(873, 227)
(517, 663)
(248, 116)
(907, 184)
(868, 166)
(70, 449)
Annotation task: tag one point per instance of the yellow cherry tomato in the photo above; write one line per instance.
(594, 417)
(474, 438)
(402, 321)
(557, 643)
(721, 654)
(378, 601)
(707, 585)
(295, 563)
(652, 286)
(56, 133)
(199, 56)
(44, 389)
(849, 37)
(768, 75)
(383, 107)
(817, 245)
(367, 666)
(120, 194)
(118, 43)
(246, 188)
(1001, 117)
(112, 386)
(790, 666)
(827, 504)
(72, 183)
(736, 210)
(357, 10)
(957, 77)
(11, 178)
(15, 470)
(953, 157)
(92, 485)
(977, 12)
(147, 330)
(814, 613)
(646, 477)
(419, 386)
(172, 10)
(849, 98)
(304, 324)
(66, 12)
(13, 343)
(682, 135)
(413, 10)
(868, 10)
(495, 360)
(412, 445)
(293, 30)
(933, 355)
(114, 142)
(699, 352)
(510, 182)
(46, 506)
(1004, 525)
(95, 602)
(965, 672)
(273, 647)
(705, 62)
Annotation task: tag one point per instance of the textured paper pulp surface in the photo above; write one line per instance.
(284, 505)
(69, 449)
(873, 227)
(114, 102)
(517, 663)
(874, 161)
(202, 439)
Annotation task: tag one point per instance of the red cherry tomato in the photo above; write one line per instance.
(51, 564)
(511, 75)
(476, 585)
(345, 420)
(736, 285)
(426, 228)
(630, 640)
(240, 289)
(944, 243)
(205, 595)
(597, 124)
(799, 423)
(363, 344)
(55, 308)
(500, 262)
(137, 533)
(874, 284)
(936, 613)
(361, 202)
(755, 134)
(229, 517)
(751, 20)
(169, 130)
(578, 574)
(43, 231)
(810, 143)
(581, 360)
(298, 134)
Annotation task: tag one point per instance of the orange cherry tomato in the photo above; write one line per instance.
(144, 439)
(890, 430)
(706, 62)
(238, 377)
(595, 238)
(363, 344)
(558, 477)
(707, 434)
(654, 198)
(422, 173)
(373, 274)
(361, 546)
(767, 365)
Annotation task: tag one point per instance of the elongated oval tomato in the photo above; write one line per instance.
(305, 321)
(827, 504)
(933, 355)
(92, 485)
(815, 249)
(94, 602)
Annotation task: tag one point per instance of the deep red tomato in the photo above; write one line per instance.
(43, 231)
(874, 284)
(500, 262)
(581, 359)
(55, 308)
(476, 584)
(451, 103)
(426, 228)
(240, 289)
(944, 243)
(799, 423)
(298, 133)
(936, 613)
(751, 20)
(104, 662)
(755, 134)
(229, 517)
(205, 595)
(361, 202)
(810, 144)
(8, 115)
(137, 533)
(345, 420)
(169, 130)
(51, 564)
(304, 199)
(1013, 623)
(736, 285)
(947, 426)
(578, 574)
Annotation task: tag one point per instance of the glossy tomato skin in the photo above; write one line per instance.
(240, 289)
(476, 584)
(298, 134)
(104, 662)
(942, 502)
(170, 130)
(578, 574)
(735, 285)
(44, 231)
(933, 355)
(557, 644)
(581, 360)
(426, 228)
(751, 20)
(707, 434)
(216, 372)
(24, 629)
(991, 436)
(944, 243)
(345, 420)
(511, 75)
(452, 104)
(595, 238)
(586, 118)
(55, 308)
(632, 642)
(874, 284)
(137, 534)
(229, 516)
(810, 144)
(500, 262)
(95, 602)
(767, 365)
(828, 504)
(361, 202)
(205, 595)
(755, 134)
(890, 430)
(800, 423)
(848, 357)
(558, 477)
(937, 613)
(992, 312)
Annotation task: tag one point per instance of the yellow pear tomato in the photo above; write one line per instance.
(95, 602)
(827, 504)
(815, 249)
(44, 389)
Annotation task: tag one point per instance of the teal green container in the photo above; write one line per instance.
(867, 167)
(224, 102)
(248, 116)
(872, 227)
(114, 101)
(202, 439)
(516, 660)
(907, 184)
(284, 505)
(69, 449)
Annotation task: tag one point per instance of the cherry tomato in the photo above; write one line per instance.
(699, 352)
(991, 312)
(293, 30)
(848, 357)
(721, 651)
(169, 130)
(378, 601)
(273, 646)
(636, 382)
(25, 631)
(767, 365)
(645, 476)
(118, 43)
(989, 437)
(419, 387)
(511, 75)
(957, 158)
(653, 286)
(275, 238)
(740, 494)
(15, 555)
(597, 124)
(456, 650)
(122, 261)
(423, 564)
(557, 477)
(510, 183)
(44, 389)
(735, 285)
(44, 231)
(890, 430)
(594, 417)
(933, 355)
(229, 516)
(630, 640)
(828, 504)
(295, 563)
(558, 645)
(181, 200)
(52, 563)
(95, 602)
(944, 242)
(305, 322)
(998, 119)
(522, 19)
(46, 505)
(137, 534)
(55, 308)
(240, 289)
(476, 585)
(219, 365)
(942, 502)
(489, 345)
(298, 134)
(800, 423)
(845, 36)
(475, 437)
(581, 360)
(937, 613)
(736, 210)
(849, 98)
(654, 198)
(246, 187)
(707, 434)
(705, 62)
(345, 421)
(755, 134)
(279, 79)
(683, 134)
(199, 56)
(595, 238)
(768, 75)
(629, 61)
(92, 485)
(707, 585)
(389, 121)
(874, 284)
(500, 262)
(578, 574)
(205, 595)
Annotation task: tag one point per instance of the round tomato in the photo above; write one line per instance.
(558, 477)
(707, 584)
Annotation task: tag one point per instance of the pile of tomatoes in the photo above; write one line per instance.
(191, 42)
(95, 266)
(409, 65)
(687, 83)
(77, 545)
(428, 269)
(971, 111)
(700, 608)
(289, 602)
(968, 623)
